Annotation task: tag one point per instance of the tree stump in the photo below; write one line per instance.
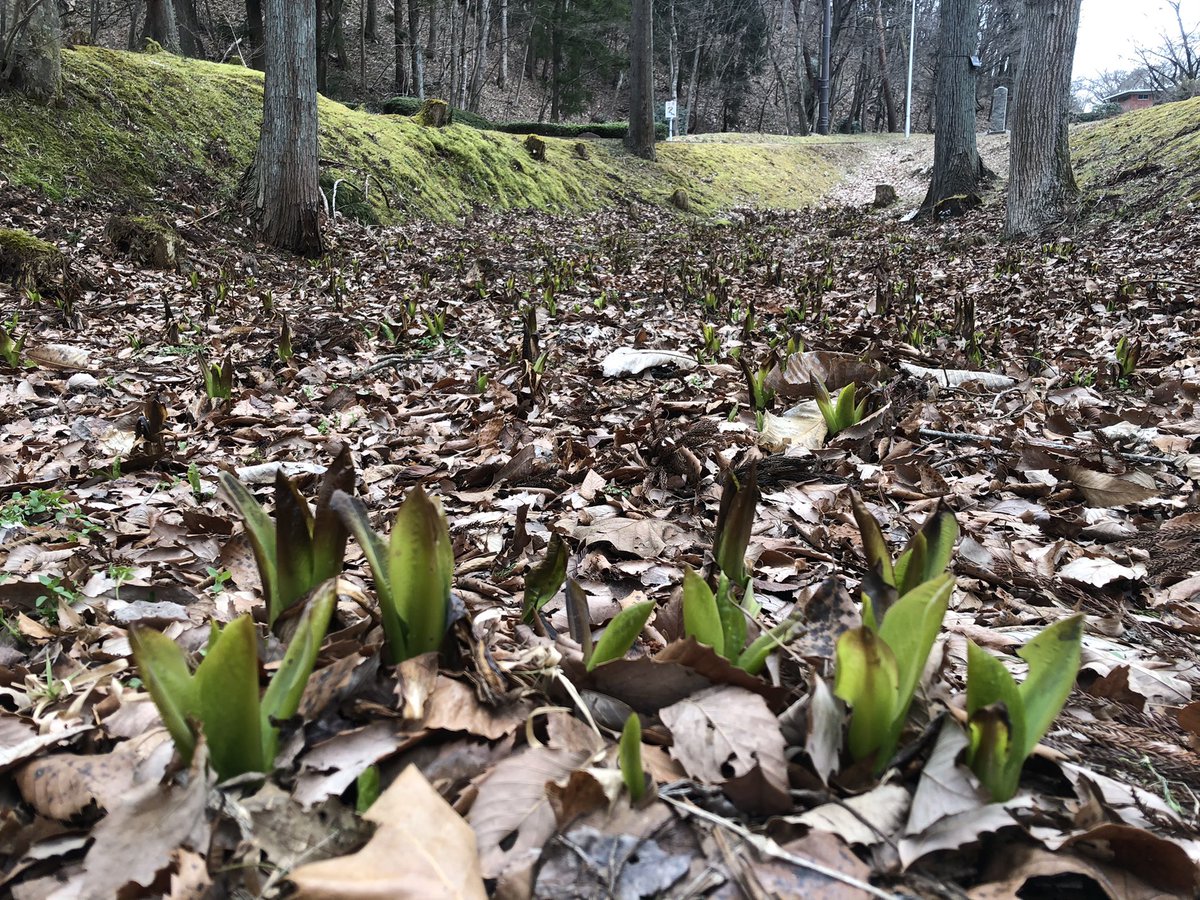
(680, 200)
(433, 114)
(885, 195)
(536, 147)
(144, 240)
(27, 262)
(581, 150)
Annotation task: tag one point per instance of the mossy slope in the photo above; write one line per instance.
(1142, 159)
(138, 125)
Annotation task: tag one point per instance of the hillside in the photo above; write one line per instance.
(138, 126)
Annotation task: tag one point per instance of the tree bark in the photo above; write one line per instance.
(483, 31)
(161, 25)
(416, 51)
(402, 34)
(34, 64)
(191, 35)
(640, 137)
(373, 19)
(502, 78)
(254, 22)
(889, 104)
(1041, 185)
(957, 168)
(284, 180)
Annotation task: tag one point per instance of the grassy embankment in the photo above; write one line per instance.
(140, 125)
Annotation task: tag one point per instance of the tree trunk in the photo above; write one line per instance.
(957, 168)
(161, 25)
(415, 49)
(34, 64)
(1041, 186)
(484, 23)
(888, 103)
(191, 40)
(254, 22)
(502, 78)
(401, 33)
(640, 137)
(373, 19)
(556, 58)
(285, 177)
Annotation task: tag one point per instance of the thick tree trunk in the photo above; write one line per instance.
(416, 51)
(34, 64)
(885, 86)
(556, 58)
(640, 138)
(1041, 185)
(254, 23)
(191, 35)
(957, 168)
(372, 33)
(161, 25)
(284, 179)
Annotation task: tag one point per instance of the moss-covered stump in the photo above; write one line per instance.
(144, 240)
(536, 147)
(433, 114)
(27, 262)
(680, 200)
(581, 150)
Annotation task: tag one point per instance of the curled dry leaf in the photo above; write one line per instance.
(634, 361)
(1103, 490)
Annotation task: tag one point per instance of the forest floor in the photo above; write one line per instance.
(993, 385)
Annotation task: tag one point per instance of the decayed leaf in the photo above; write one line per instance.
(512, 816)
(1104, 490)
(634, 361)
(422, 848)
(1099, 571)
(802, 427)
(59, 356)
(867, 819)
(946, 788)
(725, 733)
(645, 538)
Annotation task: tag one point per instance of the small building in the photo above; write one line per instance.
(1135, 93)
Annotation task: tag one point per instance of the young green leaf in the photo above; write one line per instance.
(874, 546)
(329, 532)
(164, 671)
(630, 755)
(260, 530)
(701, 619)
(620, 634)
(354, 516)
(282, 697)
(421, 567)
(754, 657)
(544, 581)
(293, 546)
(733, 620)
(735, 521)
(868, 679)
(1053, 658)
(227, 682)
(996, 723)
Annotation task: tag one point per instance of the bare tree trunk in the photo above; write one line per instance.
(1041, 185)
(373, 19)
(802, 126)
(502, 78)
(402, 35)
(556, 58)
(416, 51)
(191, 40)
(34, 52)
(431, 44)
(640, 137)
(161, 25)
(285, 176)
(957, 168)
(888, 103)
(673, 50)
(135, 10)
(254, 20)
(483, 31)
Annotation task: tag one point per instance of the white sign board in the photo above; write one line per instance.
(672, 108)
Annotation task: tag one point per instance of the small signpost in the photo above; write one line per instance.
(670, 113)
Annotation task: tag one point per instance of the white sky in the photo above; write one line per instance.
(1109, 30)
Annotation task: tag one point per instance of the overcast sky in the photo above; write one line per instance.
(1109, 30)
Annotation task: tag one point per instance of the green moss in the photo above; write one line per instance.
(137, 125)
(145, 240)
(1141, 160)
(26, 260)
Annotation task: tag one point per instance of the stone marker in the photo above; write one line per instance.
(999, 121)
